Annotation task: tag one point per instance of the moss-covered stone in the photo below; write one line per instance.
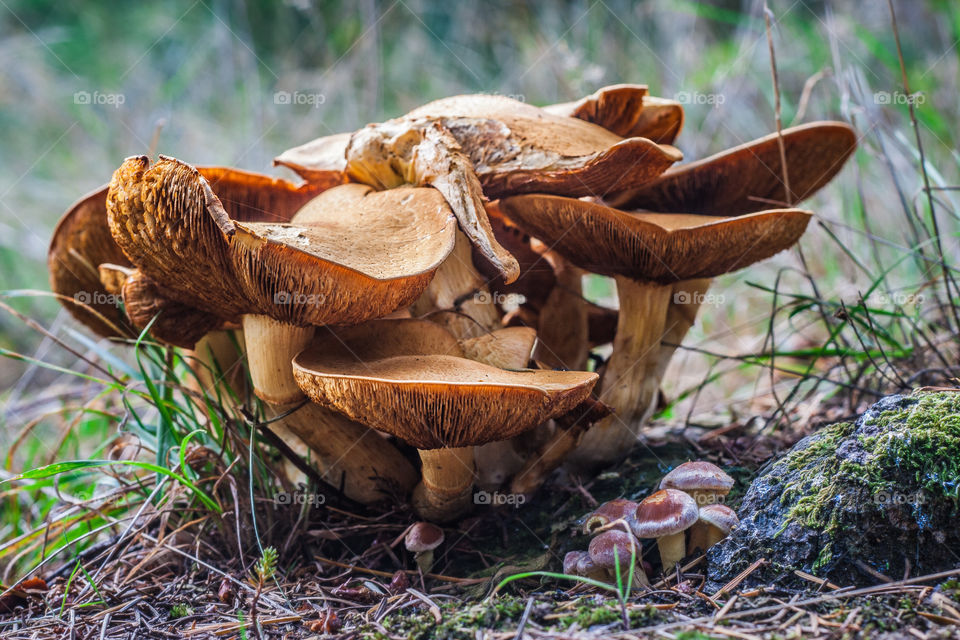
(878, 495)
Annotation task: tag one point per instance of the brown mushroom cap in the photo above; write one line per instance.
(749, 177)
(423, 536)
(698, 475)
(662, 247)
(617, 509)
(602, 548)
(408, 378)
(313, 269)
(509, 348)
(627, 110)
(80, 244)
(176, 323)
(571, 561)
(82, 240)
(519, 148)
(720, 516)
(664, 513)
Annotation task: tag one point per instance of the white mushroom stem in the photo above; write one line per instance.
(344, 453)
(672, 549)
(215, 361)
(457, 286)
(629, 383)
(563, 328)
(446, 488)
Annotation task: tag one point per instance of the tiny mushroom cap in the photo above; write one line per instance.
(571, 560)
(665, 515)
(616, 509)
(720, 516)
(704, 481)
(423, 536)
(612, 547)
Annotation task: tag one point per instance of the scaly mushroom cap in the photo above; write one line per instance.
(349, 254)
(627, 110)
(698, 475)
(519, 148)
(749, 177)
(509, 348)
(80, 244)
(616, 509)
(516, 148)
(423, 536)
(82, 240)
(663, 247)
(409, 378)
(602, 548)
(664, 513)
(720, 516)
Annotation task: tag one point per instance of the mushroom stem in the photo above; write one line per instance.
(346, 454)
(457, 286)
(424, 560)
(446, 488)
(547, 458)
(563, 328)
(349, 455)
(215, 359)
(672, 549)
(271, 346)
(629, 383)
(698, 538)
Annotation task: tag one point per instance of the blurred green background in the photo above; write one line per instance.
(85, 84)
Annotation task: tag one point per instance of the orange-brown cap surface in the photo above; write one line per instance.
(720, 516)
(749, 177)
(662, 247)
(698, 475)
(408, 378)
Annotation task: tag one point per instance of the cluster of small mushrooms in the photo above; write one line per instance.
(684, 516)
(367, 306)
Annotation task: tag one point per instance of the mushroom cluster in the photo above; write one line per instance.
(684, 516)
(365, 306)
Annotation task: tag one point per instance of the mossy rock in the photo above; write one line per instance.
(854, 499)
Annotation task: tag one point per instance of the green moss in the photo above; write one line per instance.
(917, 450)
